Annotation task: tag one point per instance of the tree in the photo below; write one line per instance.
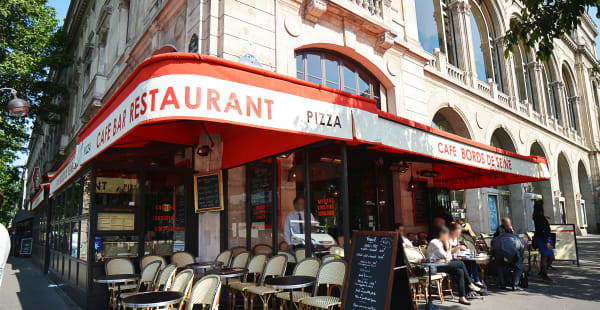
(542, 21)
(32, 48)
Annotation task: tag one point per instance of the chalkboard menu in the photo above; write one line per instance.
(260, 181)
(180, 206)
(26, 244)
(421, 203)
(208, 192)
(370, 276)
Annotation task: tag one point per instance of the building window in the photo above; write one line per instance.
(571, 98)
(436, 27)
(523, 76)
(553, 111)
(339, 72)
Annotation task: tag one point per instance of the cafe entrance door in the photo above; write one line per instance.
(370, 191)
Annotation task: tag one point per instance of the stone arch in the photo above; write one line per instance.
(167, 48)
(587, 215)
(502, 139)
(455, 120)
(543, 188)
(566, 211)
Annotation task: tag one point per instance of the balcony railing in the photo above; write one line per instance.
(440, 66)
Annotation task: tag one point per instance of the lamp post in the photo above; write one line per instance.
(17, 107)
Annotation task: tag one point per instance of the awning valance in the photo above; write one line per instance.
(192, 87)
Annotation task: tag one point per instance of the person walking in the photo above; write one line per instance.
(4, 249)
(542, 239)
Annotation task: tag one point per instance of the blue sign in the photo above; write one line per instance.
(493, 211)
(98, 243)
(250, 60)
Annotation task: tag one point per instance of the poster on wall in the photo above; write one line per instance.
(260, 180)
(113, 221)
(493, 212)
(208, 191)
(421, 203)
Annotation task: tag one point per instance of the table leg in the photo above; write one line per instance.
(430, 305)
(291, 303)
(118, 295)
(226, 291)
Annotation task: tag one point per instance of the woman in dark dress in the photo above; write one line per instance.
(542, 239)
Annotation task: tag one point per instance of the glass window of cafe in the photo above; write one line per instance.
(138, 213)
(262, 193)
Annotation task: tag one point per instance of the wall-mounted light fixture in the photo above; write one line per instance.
(428, 173)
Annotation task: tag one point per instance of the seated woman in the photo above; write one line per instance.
(455, 246)
(438, 250)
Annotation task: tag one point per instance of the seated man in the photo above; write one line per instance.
(505, 227)
(507, 252)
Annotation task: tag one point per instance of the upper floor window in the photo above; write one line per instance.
(339, 72)
(551, 102)
(571, 98)
(487, 56)
(523, 76)
(436, 27)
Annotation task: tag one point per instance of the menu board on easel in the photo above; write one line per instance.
(377, 277)
(208, 192)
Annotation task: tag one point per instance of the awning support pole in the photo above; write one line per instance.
(345, 200)
(307, 201)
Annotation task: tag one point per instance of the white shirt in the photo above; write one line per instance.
(436, 252)
(288, 225)
(406, 243)
(4, 249)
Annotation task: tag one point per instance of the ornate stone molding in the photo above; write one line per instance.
(314, 9)
(385, 41)
(460, 7)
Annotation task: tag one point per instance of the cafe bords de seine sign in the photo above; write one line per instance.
(198, 97)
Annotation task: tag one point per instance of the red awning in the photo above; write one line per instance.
(259, 113)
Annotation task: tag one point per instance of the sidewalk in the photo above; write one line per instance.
(577, 287)
(25, 287)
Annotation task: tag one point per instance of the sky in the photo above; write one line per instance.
(62, 6)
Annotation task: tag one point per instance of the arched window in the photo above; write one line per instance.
(483, 47)
(571, 98)
(339, 72)
(551, 102)
(436, 29)
(440, 122)
(523, 76)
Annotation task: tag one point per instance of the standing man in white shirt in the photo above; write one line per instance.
(295, 215)
(4, 249)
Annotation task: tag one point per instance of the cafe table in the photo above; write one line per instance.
(228, 273)
(290, 283)
(430, 305)
(204, 266)
(478, 259)
(118, 280)
(158, 299)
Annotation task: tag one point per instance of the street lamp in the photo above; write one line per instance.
(17, 107)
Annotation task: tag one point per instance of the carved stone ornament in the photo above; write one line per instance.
(384, 41)
(292, 25)
(314, 9)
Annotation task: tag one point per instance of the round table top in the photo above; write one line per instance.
(290, 282)
(116, 278)
(205, 265)
(152, 299)
(434, 264)
(474, 258)
(229, 272)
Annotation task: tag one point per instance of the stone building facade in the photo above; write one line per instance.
(438, 62)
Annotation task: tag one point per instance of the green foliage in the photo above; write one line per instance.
(542, 21)
(32, 47)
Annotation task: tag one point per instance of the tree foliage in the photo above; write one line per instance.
(32, 47)
(542, 21)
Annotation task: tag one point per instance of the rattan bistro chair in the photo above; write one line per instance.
(206, 293)
(165, 278)
(300, 254)
(182, 259)
(237, 250)
(331, 274)
(307, 267)
(147, 278)
(336, 250)
(255, 267)
(224, 257)
(291, 258)
(275, 267)
(240, 260)
(119, 266)
(262, 249)
(183, 284)
(150, 258)
(416, 257)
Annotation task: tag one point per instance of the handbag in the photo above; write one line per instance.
(524, 282)
(419, 271)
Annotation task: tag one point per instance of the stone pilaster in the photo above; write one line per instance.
(460, 11)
